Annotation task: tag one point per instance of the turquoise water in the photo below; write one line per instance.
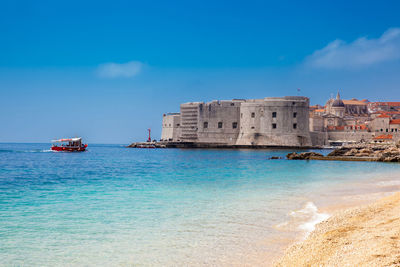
(114, 206)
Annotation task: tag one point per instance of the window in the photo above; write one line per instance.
(177, 125)
(294, 125)
(205, 125)
(220, 124)
(252, 127)
(241, 115)
(273, 114)
(392, 130)
(234, 125)
(381, 130)
(274, 126)
(253, 115)
(386, 130)
(232, 104)
(294, 114)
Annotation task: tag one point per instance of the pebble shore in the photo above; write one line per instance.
(363, 236)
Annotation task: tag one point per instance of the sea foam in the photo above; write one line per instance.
(309, 217)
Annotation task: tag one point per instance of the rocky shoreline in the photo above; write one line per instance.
(381, 153)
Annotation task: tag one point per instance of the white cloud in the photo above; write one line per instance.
(360, 53)
(114, 70)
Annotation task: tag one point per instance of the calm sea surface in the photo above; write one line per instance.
(114, 206)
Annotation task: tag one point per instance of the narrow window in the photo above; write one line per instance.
(205, 125)
(234, 125)
(178, 125)
(209, 107)
(273, 114)
(386, 130)
(253, 114)
(274, 126)
(220, 124)
(381, 130)
(241, 115)
(232, 104)
(294, 125)
(294, 114)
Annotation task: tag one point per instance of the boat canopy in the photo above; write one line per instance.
(76, 139)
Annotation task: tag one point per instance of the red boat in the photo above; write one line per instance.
(69, 145)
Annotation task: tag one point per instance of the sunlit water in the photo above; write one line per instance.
(114, 206)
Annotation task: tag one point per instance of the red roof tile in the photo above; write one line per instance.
(383, 116)
(383, 136)
(397, 121)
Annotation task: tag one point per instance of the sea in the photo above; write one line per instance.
(118, 206)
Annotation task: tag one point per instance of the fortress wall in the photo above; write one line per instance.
(218, 122)
(319, 138)
(350, 136)
(258, 126)
(189, 121)
(171, 127)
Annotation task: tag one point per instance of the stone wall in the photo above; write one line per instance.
(171, 129)
(275, 122)
(189, 121)
(319, 138)
(218, 122)
(350, 136)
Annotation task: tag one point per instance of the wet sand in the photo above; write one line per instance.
(368, 235)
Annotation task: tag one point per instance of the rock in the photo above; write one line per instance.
(352, 152)
(339, 152)
(275, 157)
(302, 156)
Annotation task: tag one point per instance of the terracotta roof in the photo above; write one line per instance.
(383, 116)
(383, 136)
(397, 121)
(319, 110)
(354, 102)
(393, 104)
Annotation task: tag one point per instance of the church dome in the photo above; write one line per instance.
(337, 103)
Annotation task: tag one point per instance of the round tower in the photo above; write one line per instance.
(275, 121)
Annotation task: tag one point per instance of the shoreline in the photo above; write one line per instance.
(357, 234)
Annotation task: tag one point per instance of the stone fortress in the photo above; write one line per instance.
(281, 122)
(272, 121)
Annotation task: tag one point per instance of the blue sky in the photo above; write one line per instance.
(107, 71)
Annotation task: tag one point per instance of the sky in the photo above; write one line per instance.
(108, 70)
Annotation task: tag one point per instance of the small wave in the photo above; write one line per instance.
(6, 150)
(304, 219)
(311, 215)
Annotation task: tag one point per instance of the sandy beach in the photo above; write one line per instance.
(368, 235)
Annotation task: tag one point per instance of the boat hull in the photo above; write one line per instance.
(68, 149)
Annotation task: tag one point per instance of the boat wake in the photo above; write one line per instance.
(25, 151)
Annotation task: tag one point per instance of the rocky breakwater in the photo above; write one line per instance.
(147, 145)
(381, 153)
